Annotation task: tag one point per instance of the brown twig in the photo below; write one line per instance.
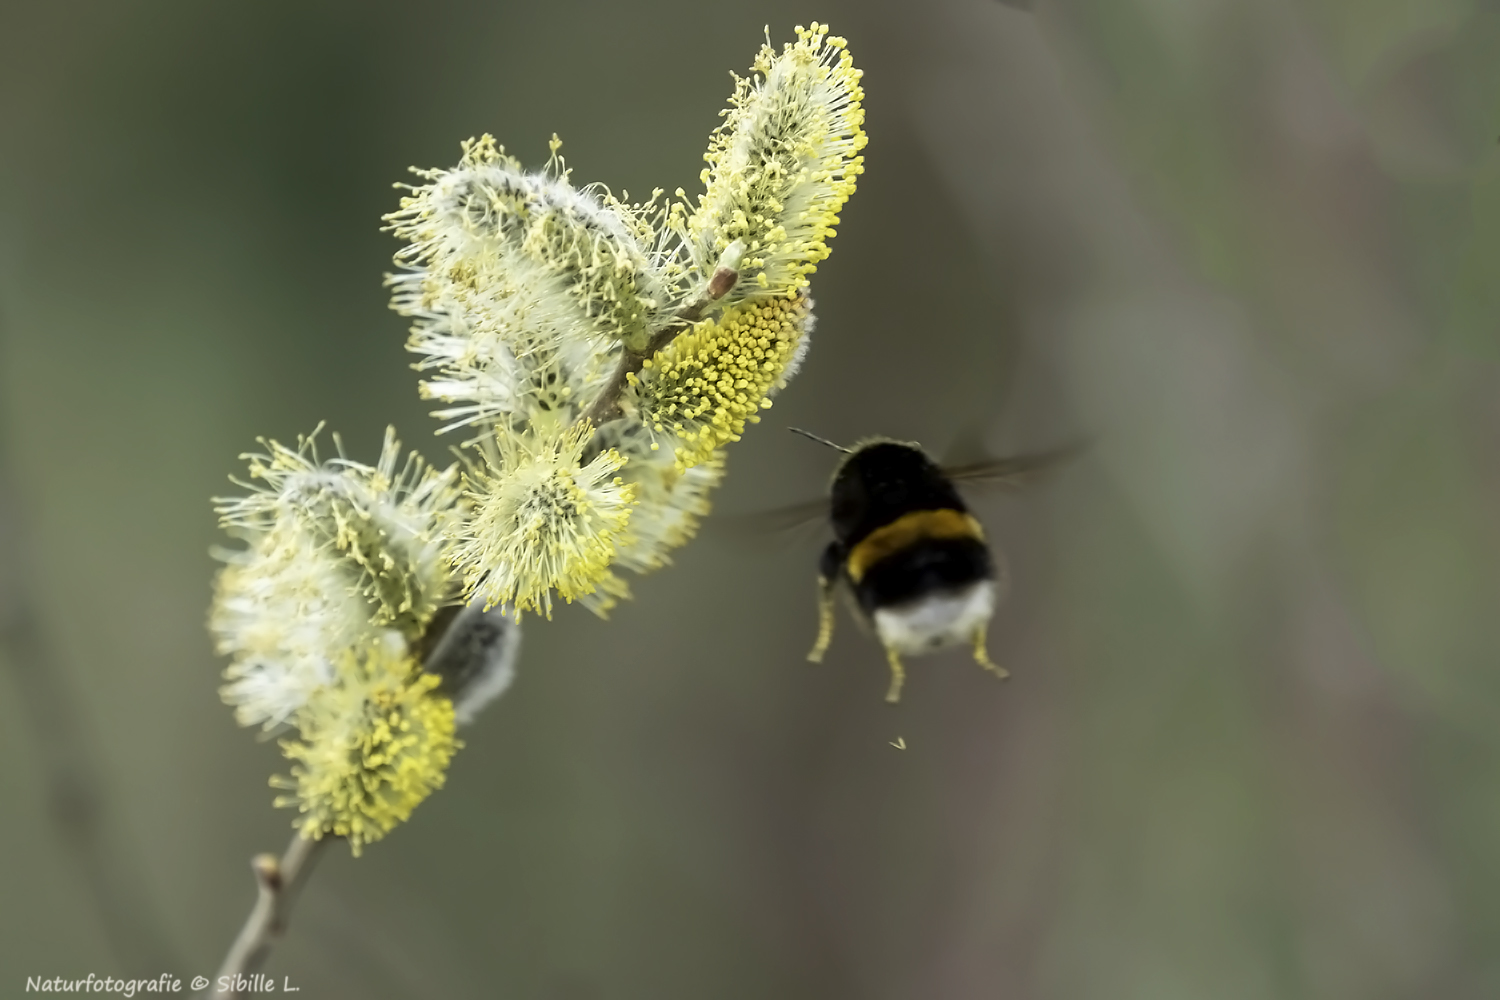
(606, 405)
(279, 882)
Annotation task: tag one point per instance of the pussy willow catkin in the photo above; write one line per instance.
(534, 303)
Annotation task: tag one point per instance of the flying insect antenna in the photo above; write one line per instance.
(820, 440)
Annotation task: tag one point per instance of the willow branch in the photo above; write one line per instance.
(606, 406)
(279, 881)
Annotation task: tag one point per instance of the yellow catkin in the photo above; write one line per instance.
(373, 745)
(705, 386)
(783, 163)
(336, 552)
(543, 520)
(671, 503)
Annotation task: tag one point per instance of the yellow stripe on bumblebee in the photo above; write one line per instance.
(906, 530)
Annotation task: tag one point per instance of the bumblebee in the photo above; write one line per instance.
(914, 560)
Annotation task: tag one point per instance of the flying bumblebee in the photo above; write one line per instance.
(913, 559)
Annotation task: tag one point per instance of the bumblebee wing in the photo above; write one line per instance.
(781, 523)
(1017, 471)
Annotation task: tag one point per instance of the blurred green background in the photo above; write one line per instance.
(1252, 744)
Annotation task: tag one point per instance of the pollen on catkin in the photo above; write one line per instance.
(373, 744)
(335, 552)
(540, 309)
(782, 164)
(670, 504)
(523, 287)
(703, 388)
(543, 519)
(282, 609)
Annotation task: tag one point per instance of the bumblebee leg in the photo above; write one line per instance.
(982, 656)
(898, 675)
(825, 619)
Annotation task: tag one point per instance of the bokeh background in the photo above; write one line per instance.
(1252, 744)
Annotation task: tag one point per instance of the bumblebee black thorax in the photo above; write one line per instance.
(901, 530)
